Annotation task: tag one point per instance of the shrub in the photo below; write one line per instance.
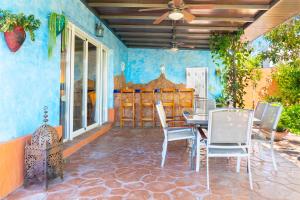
(288, 78)
(290, 119)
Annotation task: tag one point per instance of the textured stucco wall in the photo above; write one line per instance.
(144, 66)
(29, 80)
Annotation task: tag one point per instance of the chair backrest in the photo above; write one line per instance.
(260, 109)
(161, 114)
(203, 105)
(167, 94)
(186, 97)
(230, 126)
(147, 96)
(127, 95)
(271, 117)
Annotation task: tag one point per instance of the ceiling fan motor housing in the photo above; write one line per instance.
(176, 14)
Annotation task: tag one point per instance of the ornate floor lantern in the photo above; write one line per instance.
(43, 155)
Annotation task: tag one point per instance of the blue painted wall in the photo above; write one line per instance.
(29, 80)
(144, 66)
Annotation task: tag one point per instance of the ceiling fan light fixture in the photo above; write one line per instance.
(176, 15)
(174, 48)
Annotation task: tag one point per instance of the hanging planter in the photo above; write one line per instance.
(14, 27)
(57, 25)
(15, 38)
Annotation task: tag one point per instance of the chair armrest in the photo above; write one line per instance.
(178, 129)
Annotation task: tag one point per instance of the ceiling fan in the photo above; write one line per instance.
(177, 11)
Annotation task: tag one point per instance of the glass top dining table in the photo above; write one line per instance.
(199, 121)
(196, 119)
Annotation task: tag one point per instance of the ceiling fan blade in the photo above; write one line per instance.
(199, 6)
(161, 18)
(152, 9)
(189, 46)
(177, 3)
(188, 16)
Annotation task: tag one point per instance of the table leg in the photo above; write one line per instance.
(198, 151)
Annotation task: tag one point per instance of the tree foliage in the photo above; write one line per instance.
(233, 57)
(284, 42)
(287, 77)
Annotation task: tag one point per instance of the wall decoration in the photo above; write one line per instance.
(57, 25)
(14, 27)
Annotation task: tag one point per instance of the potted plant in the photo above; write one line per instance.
(14, 27)
(57, 25)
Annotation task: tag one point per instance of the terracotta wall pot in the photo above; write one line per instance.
(15, 38)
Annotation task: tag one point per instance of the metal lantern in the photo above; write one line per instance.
(43, 155)
(99, 30)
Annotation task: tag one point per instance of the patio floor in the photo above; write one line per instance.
(125, 164)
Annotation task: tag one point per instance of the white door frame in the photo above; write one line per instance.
(101, 82)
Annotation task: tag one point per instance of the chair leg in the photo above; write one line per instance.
(121, 116)
(273, 156)
(249, 172)
(238, 164)
(133, 117)
(193, 153)
(207, 171)
(164, 152)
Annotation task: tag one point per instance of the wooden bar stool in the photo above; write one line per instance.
(127, 103)
(147, 102)
(167, 97)
(185, 102)
(186, 99)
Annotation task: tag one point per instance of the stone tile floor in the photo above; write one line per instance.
(124, 164)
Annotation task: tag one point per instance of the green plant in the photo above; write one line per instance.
(234, 56)
(221, 101)
(280, 127)
(270, 99)
(287, 77)
(284, 42)
(9, 21)
(290, 118)
(57, 23)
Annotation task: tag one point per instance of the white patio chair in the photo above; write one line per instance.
(259, 112)
(229, 135)
(173, 133)
(268, 126)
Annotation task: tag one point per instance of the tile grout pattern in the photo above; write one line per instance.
(125, 164)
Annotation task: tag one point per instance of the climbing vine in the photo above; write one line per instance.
(233, 56)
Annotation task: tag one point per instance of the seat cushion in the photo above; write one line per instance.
(223, 152)
(180, 135)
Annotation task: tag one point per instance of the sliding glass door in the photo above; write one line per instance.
(78, 85)
(85, 70)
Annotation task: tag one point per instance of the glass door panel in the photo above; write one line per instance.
(78, 103)
(92, 82)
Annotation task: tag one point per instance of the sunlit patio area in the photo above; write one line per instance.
(125, 164)
(150, 100)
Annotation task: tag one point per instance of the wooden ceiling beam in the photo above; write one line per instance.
(162, 5)
(221, 28)
(141, 17)
(169, 40)
(159, 44)
(163, 34)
